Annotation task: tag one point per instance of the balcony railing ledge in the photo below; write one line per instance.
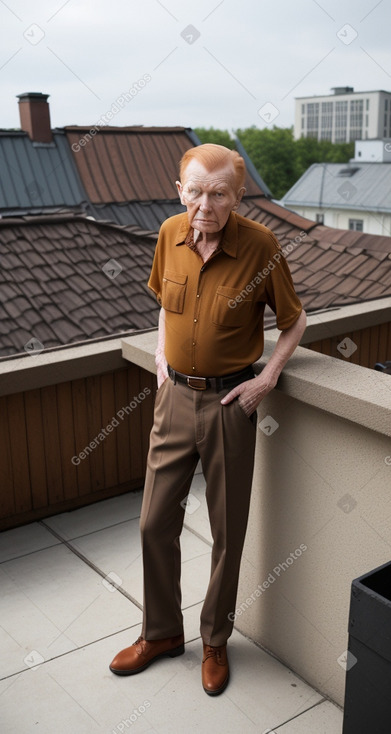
(347, 390)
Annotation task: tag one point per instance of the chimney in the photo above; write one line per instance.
(35, 116)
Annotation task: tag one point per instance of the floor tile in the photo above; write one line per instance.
(116, 551)
(62, 623)
(52, 602)
(322, 719)
(96, 516)
(77, 692)
(26, 539)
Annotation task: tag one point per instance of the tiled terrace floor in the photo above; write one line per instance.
(62, 623)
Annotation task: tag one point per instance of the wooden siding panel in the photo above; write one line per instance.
(383, 339)
(52, 444)
(134, 420)
(43, 430)
(95, 425)
(373, 345)
(36, 448)
(123, 436)
(82, 437)
(110, 443)
(7, 497)
(19, 452)
(67, 440)
(364, 347)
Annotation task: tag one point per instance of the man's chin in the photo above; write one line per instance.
(205, 226)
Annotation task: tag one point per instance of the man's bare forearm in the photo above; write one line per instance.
(286, 345)
(160, 359)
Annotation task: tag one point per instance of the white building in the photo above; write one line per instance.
(354, 195)
(344, 115)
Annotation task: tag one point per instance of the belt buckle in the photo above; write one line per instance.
(196, 387)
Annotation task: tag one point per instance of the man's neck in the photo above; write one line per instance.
(206, 239)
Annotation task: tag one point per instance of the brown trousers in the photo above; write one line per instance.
(188, 425)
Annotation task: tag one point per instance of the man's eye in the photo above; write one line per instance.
(192, 193)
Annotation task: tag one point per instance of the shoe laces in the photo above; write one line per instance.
(212, 652)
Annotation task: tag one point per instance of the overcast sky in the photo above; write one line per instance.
(206, 63)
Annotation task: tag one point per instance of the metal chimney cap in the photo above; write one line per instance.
(33, 95)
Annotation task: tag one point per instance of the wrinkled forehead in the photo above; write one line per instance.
(196, 172)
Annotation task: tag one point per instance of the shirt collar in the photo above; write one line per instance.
(229, 242)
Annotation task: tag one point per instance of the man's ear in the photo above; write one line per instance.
(239, 197)
(180, 191)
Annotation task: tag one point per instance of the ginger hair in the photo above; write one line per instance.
(214, 156)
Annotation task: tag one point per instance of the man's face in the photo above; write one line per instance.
(209, 196)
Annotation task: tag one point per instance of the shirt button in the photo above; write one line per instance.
(194, 344)
(198, 295)
(193, 368)
(195, 321)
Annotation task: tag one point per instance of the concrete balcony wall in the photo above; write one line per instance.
(320, 511)
(320, 514)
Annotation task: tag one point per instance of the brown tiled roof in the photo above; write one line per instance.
(53, 288)
(330, 267)
(127, 164)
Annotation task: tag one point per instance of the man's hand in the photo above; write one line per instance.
(250, 393)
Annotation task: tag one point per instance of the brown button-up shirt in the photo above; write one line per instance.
(214, 310)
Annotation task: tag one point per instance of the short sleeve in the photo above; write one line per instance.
(280, 291)
(156, 275)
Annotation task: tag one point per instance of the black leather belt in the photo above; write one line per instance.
(216, 383)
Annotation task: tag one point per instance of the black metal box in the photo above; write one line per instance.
(367, 707)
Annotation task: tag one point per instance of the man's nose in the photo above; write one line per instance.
(205, 205)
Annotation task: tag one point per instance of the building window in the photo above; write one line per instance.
(356, 119)
(356, 224)
(341, 121)
(385, 105)
(312, 119)
(367, 105)
(320, 218)
(326, 121)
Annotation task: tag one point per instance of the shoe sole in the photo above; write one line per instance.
(218, 690)
(170, 653)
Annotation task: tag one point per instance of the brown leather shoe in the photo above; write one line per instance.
(215, 670)
(142, 653)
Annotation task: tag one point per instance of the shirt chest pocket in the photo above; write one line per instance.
(173, 291)
(230, 309)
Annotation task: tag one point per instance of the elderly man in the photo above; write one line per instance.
(213, 273)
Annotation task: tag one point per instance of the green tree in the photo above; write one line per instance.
(278, 158)
(212, 135)
(272, 152)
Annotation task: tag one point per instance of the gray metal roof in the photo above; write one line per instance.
(37, 176)
(147, 214)
(361, 186)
